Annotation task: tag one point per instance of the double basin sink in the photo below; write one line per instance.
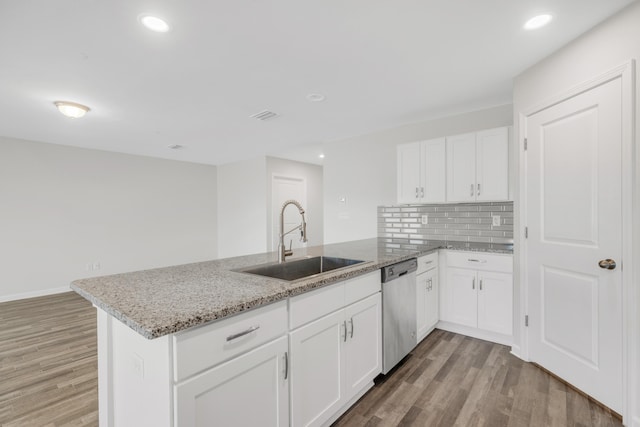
(301, 268)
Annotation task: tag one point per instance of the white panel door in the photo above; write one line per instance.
(460, 297)
(434, 171)
(249, 390)
(495, 302)
(573, 198)
(492, 164)
(461, 168)
(317, 360)
(408, 158)
(364, 343)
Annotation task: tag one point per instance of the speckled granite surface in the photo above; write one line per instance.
(167, 300)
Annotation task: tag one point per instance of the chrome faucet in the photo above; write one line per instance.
(283, 252)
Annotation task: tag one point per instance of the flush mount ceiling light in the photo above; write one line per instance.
(72, 109)
(321, 156)
(315, 97)
(154, 23)
(537, 22)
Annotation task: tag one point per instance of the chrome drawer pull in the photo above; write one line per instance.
(351, 327)
(286, 365)
(481, 261)
(243, 333)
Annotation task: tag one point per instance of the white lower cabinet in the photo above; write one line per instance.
(296, 362)
(249, 390)
(478, 292)
(333, 359)
(427, 309)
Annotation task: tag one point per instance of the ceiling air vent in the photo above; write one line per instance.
(264, 115)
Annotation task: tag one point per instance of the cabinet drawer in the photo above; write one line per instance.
(206, 346)
(480, 261)
(315, 304)
(362, 286)
(427, 262)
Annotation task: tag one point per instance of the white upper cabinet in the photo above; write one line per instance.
(421, 172)
(492, 164)
(478, 166)
(461, 168)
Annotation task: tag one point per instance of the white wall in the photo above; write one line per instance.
(363, 170)
(63, 207)
(607, 46)
(242, 208)
(312, 174)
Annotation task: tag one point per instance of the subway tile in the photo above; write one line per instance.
(501, 240)
(467, 208)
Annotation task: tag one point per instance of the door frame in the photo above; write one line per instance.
(630, 232)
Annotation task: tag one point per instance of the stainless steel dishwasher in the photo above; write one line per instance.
(398, 312)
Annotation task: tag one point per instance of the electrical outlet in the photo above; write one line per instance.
(96, 266)
(495, 220)
(88, 267)
(425, 219)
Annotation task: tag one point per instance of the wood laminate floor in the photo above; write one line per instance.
(48, 377)
(453, 380)
(48, 362)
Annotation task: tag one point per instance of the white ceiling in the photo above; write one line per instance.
(380, 64)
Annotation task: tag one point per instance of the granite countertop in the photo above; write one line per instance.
(166, 300)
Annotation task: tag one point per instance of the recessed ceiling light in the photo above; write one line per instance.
(321, 156)
(176, 146)
(154, 23)
(72, 109)
(537, 22)
(315, 97)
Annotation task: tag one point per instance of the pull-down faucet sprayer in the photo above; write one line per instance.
(283, 252)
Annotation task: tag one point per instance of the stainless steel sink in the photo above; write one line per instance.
(301, 268)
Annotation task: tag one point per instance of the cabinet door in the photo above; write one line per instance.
(460, 297)
(364, 343)
(495, 302)
(492, 164)
(461, 168)
(408, 172)
(433, 171)
(249, 390)
(421, 304)
(317, 359)
(432, 314)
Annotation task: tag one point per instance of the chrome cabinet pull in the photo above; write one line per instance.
(243, 333)
(471, 193)
(421, 191)
(480, 284)
(481, 261)
(607, 264)
(478, 189)
(416, 192)
(345, 330)
(473, 283)
(351, 321)
(286, 365)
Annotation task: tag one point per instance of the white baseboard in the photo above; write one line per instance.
(517, 352)
(476, 333)
(33, 294)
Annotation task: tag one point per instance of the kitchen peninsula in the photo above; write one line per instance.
(194, 325)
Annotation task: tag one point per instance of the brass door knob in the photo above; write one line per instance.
(608, 264)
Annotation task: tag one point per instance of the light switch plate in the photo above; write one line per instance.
(495, 220)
